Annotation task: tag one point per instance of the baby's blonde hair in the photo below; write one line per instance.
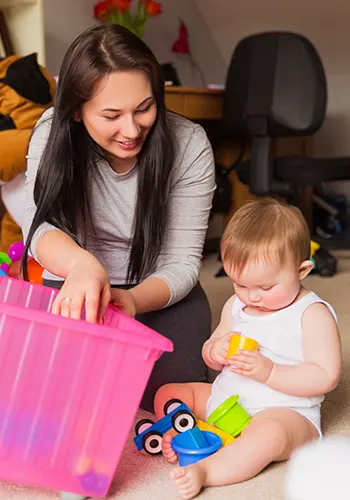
(265, 229)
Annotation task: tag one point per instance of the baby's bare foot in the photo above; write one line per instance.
(168, 453)
(189, 480)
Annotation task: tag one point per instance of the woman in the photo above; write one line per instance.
(118, 194)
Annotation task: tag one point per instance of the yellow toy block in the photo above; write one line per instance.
(226, 438)
(313, 248)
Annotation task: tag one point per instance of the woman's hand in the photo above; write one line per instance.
(87, 283)
(123, 300)
(252, 364)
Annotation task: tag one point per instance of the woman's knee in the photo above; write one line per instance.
(188, 322)
(188, 327)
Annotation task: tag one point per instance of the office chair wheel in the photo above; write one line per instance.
(326, 273)
(326, 264)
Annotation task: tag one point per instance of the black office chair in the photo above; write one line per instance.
(276, 87)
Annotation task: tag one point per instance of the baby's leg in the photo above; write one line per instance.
(271, 436)
(195, 395)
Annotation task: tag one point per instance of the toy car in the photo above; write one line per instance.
(149, 434)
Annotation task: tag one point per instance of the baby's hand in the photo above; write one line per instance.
(218, 349)
(252, 364)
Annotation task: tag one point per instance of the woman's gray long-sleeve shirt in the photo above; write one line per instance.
(113, 202)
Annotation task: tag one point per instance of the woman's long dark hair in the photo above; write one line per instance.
(61, 187)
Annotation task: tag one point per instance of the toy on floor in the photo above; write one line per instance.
(69, 390)
(324, 262)
(314, 247)
(226, 422)
(194, 445)
(14, 255)
(225, 437)
(10, 264)
(177, 418)
(221, 429)
(230, 417)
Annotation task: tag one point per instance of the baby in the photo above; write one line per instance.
(265, 252)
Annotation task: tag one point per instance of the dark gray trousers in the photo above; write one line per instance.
(188, 325)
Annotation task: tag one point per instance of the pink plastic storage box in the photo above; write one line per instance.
(69, 390)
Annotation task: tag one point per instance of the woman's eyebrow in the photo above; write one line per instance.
(113, 110)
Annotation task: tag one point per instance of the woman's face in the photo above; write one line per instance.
(120, 115)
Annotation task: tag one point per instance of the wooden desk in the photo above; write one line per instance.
(195, 104)
(206, 105)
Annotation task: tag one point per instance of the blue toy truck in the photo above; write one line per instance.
(149, 434)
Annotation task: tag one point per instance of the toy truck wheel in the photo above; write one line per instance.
(152, 443)
(183, 420)
(143, 425)
(171, 405)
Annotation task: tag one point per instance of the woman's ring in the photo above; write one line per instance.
(67, 299)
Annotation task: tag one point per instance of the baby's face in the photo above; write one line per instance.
(267, 286)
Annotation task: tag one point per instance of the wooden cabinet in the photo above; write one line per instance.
(196, 104)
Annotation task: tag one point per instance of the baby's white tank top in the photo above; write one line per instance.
(279, 335)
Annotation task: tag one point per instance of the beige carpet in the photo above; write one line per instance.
(140, 477)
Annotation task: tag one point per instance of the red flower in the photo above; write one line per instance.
(101, 10)
(123, 5)
(153, 8)
(181, 46)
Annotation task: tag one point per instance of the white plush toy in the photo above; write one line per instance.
(320, 471)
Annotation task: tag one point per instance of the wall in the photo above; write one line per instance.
(49, 27)
(324, 22)
(20, 18)
(65, 19)
(161, 33)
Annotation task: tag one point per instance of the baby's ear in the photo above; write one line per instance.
(305, 268)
